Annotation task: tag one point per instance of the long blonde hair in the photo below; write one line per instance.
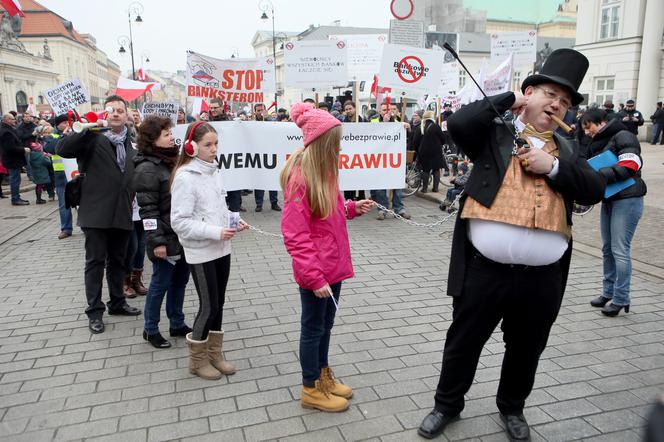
(183, 158)
(318, 165)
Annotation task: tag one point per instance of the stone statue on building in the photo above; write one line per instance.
(47, 49)
(10, 27)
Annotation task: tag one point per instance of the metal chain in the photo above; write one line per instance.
(386, 210)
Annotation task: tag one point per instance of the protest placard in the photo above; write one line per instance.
(522, 44)
(167, 109)
(414, 71)
(500, 80)
(407, 33)
(239, 80)
(67, 96)
(364, 54)
(315, 63)
(449, 79)
(252, 154)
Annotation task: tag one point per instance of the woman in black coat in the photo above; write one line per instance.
(429, 146)
(621, 211)
(170, 273)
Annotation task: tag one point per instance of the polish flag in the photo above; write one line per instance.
(13, 7)
(131, 90)
(199, 106)
(141, 76)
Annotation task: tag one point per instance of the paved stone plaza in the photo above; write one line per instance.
(58, 382)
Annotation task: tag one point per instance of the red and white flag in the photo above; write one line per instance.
(13, 7)
(131, 89)
(199, 106)
(141, 76)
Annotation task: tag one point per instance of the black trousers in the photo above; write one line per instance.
(234, 200)
(527, 299)
(210, 279)
(104, 248)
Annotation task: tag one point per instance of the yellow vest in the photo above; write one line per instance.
(58, 165)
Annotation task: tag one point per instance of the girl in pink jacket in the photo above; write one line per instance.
(314, 227)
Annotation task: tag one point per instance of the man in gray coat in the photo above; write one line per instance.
(104, 214)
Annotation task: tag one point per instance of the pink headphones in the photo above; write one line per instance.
(190, 147)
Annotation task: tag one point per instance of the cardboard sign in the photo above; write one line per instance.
(67, 96)
(167, 109)
(407, 33)
(315, 63)
(239, 80)
(449, 80)
(522, 44)
(411, 70)
(364, 54)
(252, 153)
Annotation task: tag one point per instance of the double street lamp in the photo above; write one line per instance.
(134, 11)
(264, 6)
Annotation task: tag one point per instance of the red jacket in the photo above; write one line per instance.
(318, 247)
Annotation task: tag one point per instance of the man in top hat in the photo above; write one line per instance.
(512, 239)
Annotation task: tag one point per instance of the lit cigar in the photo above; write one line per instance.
(560, 123)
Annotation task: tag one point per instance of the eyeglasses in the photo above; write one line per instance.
(551, 95)
(215, 108)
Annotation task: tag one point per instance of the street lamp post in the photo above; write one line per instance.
(136, 9)
(145, 58)
(264, 6)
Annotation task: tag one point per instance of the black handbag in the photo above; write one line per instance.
(73, 190)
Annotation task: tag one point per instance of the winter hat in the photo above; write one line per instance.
(60, 119)
(313, 122)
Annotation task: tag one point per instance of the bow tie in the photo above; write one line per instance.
(530, 131)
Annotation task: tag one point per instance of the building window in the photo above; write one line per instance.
(462, 79)
(21, 102)
(604, 89)
(610, 19)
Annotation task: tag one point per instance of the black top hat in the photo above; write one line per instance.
(565, 67)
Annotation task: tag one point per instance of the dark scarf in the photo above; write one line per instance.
(168, 155)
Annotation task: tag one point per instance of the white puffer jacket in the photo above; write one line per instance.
(199, 211)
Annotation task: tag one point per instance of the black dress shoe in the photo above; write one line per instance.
(20, 203)
(613, 310)
(600, 301)
(434, 424)
(157, 340)
(259, 208)
(276, 207)
(96, 326)
(182, 331)
(125, 310)
(516, 426)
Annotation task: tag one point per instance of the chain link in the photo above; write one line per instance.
(386, 210)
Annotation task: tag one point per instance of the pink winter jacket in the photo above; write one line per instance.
(318, 247)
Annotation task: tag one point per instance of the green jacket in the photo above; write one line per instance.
(40, 164)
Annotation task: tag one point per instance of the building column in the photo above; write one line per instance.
(650, 64)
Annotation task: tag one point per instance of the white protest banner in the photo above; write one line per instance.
(364, 54)
(167, 109)
(412, 70)
(67, 96)
(239, 80)
(315, 63)
(500, 80)
(450, 78)
(407, 33)
(522, 44)
(252, 153)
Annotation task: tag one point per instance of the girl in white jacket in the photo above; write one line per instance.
(202, 221)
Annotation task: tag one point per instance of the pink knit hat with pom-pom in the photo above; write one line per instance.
(313, 122)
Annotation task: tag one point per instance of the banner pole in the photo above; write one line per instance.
(356, 98)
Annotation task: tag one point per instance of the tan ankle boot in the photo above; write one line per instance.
(320, 398)
(127, 289)
(334, 387)
(137, 282)
(215, 350)
(199, 364)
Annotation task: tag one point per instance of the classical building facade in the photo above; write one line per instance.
(47, 36)
(623, 39)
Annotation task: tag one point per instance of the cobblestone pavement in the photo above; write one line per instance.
(58, 382)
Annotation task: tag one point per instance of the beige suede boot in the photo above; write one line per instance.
(320, 398)
(199, 364)
(334, 387)
(215, 350)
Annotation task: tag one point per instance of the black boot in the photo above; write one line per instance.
(613, 310)
(600, 301)
(425, 182)
(436, 180)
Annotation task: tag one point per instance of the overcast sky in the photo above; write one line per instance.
(215, 28)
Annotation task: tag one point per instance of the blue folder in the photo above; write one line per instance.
(608, 159)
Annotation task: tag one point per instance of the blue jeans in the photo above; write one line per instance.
(656, 133)
(380, 196)
(171, 279)
(316, 325)
(65, 214)
(260, 194)
(618, 221)
(15, 184)
(136, 250)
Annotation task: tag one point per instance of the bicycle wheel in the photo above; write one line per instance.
(413, 180)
